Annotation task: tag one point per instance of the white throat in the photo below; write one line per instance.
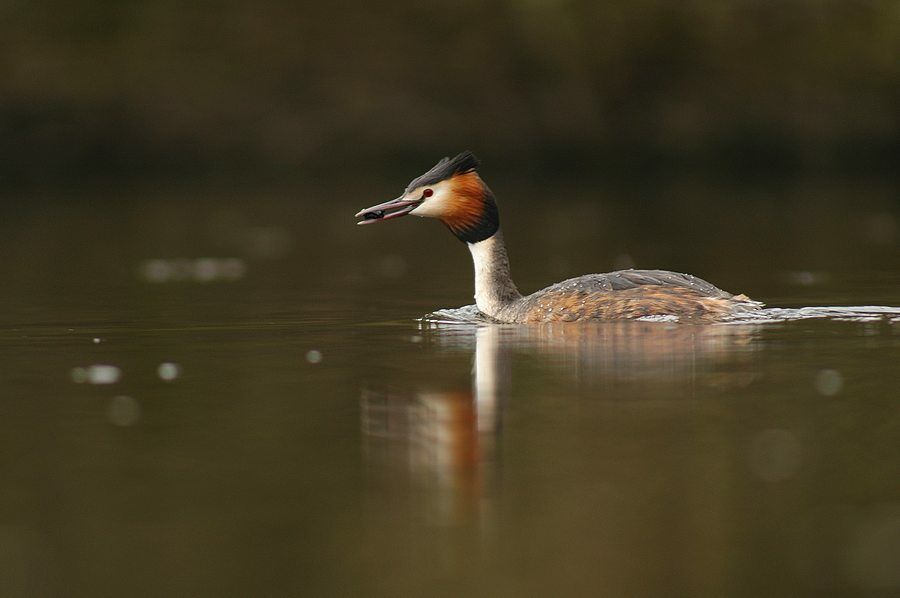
(494, 288)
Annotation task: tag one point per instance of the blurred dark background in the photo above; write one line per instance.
(98, 90)
(178, 182)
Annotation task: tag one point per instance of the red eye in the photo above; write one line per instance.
(427, 193)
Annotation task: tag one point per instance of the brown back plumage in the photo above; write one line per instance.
(628, 294)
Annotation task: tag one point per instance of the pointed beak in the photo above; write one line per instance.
(387, 210)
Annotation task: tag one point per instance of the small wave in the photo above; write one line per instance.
(854, 313)
(658, 318)
(850, 313)
(469, 314)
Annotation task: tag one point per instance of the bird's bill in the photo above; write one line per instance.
(387, 210)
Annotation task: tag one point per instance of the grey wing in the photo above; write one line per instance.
(630, 279)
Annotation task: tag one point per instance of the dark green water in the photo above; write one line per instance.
(314, 438)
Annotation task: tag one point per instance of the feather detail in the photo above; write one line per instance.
(467, 206)
(445, 169)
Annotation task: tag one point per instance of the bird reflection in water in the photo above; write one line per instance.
(444, 440)
(642, 356)
(444, 444)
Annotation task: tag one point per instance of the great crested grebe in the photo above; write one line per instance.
(453, 192)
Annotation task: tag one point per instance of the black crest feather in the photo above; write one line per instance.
(446, 168)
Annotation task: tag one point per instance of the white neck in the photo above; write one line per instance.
(494, 288)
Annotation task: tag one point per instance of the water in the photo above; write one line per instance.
(235, 393)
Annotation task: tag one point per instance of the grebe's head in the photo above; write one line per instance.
(452, 192)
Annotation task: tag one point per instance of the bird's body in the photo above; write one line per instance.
(626, 294)
(453, 192)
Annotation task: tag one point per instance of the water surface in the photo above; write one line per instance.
(280, 420)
